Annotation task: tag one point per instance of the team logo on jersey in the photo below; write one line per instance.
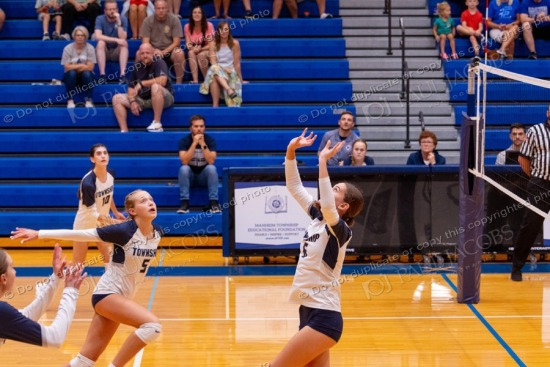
(276, 204)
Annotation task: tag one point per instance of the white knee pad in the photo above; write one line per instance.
(149, 332)
(81, 361)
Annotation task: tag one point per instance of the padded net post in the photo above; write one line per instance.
(470, 240)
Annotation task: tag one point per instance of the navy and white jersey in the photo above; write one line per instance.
(133, 253)
(95, 199)
(15, 326)
(322, 252)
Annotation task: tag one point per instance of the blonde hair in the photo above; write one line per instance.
(81, 29)
(442, 6)
(129, 201)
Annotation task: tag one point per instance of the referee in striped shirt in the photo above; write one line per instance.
(535, 162)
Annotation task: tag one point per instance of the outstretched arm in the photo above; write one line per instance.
(293, 181)
(84, 235)
(328, 206)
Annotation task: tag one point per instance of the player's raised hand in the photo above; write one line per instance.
(302, 140)
(25, 234)
(329, 152)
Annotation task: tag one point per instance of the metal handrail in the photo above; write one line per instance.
(406, 80)
(387, 10)
(402, 45)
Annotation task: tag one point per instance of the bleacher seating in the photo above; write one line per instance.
(297, 72)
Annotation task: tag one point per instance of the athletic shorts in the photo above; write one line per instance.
(98, 297)
(329, 323)
(148, 103)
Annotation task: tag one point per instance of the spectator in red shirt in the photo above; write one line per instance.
(471, 24)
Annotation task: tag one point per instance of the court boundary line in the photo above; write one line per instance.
(488, 326)
(139, 355)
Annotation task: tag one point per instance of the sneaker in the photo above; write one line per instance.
(155, 127)
(102, 80)
(444, 56)
(46, 37)
(215, 206)
(516, 275)
(533, 56)
(89, 103)
(326, 15)
(71, 104)
(65, 37)
(123, 80)
(184, 208)
(55, 36)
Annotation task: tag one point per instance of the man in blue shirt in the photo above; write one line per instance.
(111, 31)
(535, 22)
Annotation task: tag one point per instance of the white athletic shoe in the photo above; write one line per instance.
(155, 127)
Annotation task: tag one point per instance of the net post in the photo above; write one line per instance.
(471, 194)
(471, 97)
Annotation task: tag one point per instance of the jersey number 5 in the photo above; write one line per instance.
(144, 265)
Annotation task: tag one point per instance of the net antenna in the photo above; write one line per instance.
(478, 71)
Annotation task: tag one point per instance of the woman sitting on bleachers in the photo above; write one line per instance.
(199, 35)
(78, 61)
(225, 72)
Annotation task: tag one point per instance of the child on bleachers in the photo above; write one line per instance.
(472, 24)
(443, 29)
(49, 10)
(503, 20)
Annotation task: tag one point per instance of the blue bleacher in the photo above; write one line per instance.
(297, 70)
(504, 115)
(24, 9)
(502, 92)
(538, 69)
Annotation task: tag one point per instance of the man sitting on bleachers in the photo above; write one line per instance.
(149, 87)
(343, 133)
(111, 32)
(535, 21)
(517, 136)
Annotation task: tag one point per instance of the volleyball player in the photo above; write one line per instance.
(95, 196)
(322, 253)
(135, 246)
(534, 159)
(22, 325)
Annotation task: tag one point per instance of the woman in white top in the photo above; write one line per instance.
(22, 325)
(322, 253)
(135, 248)
(95, 196)
(225, 73)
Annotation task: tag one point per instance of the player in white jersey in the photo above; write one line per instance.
(95, 196)
(316, 284)
(135, 246)
(22, 325)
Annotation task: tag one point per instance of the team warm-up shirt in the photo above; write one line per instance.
(133, 253)
(95, 200)
(22, 325)
(322, 249)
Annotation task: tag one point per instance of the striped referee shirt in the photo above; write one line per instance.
(536, 147)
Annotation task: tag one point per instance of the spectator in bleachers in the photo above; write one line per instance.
(427, 155)
(2, 19)
(111, 32)
(344, 133)
(292, 6)
(247, 9)
(197, 152)
(137, 11)
(174, 7)
(49, 10)
(199, 35)
(163, 31)
(517, 136)
(217, 8)
(534, 16)
(444, 29)
(225, 73)
(503, 19)
(472, 24)
(78, 61)
(72, 9)
(149, 87)
(358, 156)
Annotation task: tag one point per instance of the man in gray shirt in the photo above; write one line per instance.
(343, 133)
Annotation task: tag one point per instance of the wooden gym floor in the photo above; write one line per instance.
(409, 319)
